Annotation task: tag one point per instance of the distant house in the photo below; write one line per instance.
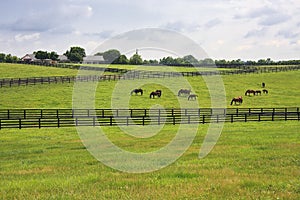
(63, 58)
(93, 60)
(29, 58)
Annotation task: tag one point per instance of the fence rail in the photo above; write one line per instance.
(39, 118)
(134, 74)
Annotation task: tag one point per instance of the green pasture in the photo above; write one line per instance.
(23, 71)
(162, 68)
(249, 161)
(254, 160)
(283, 90)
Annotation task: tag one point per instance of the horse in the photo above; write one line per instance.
(136, 91)
(237, 100)
(265, 91)
(155, 93)
(192, 96)
(184, 91)
(263, 85)
(249, 92)
(257, 92)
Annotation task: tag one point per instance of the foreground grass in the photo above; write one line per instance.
(250, 161)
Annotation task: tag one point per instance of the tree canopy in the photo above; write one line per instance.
(75, 54)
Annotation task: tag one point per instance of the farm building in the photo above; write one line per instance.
(93, 60)
(29, 58)
(63, 58)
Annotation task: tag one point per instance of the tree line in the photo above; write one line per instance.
(113, 56)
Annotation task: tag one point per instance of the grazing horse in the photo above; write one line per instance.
(136, 91)
(257, 92)
(184, 91)
(265, 91)
(249, 92)
(155, 93)
(192, 96)
(237, 100)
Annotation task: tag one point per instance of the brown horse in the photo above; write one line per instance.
(136, 91)
(192, 96)
(257, 92)
(184, 91)
(155, 93)
(249, 92)
(237, 100)
(265, 91)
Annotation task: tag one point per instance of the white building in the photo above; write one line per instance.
(93, 60)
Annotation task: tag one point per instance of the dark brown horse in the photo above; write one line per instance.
(155, 93)
(192, 96)
(136, 91)
(249, 92)
(184, 91)
(257, 92)
(237, 100)
(265, 91)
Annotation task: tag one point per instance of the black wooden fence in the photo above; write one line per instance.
(38, 118)
(134, 74)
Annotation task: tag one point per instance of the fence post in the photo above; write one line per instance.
(8, 114)
(259, 117)
(94, 121)
(297, 114)
(20, 123)
(143, 120)
(245, 117)
(231, 120)
(203, 119)
(39, 123)
(24, 114)
(110, 120)
(0, 124)
(174, 122)
(58, 123)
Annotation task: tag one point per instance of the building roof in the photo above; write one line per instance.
(62, 58)
(93, 59)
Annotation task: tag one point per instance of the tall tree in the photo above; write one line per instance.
(75, 54)
(136, 59)
(42, 55)
(2, 57)
(111, 56)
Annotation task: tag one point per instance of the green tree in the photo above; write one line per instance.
(122, 60)
(189, 59)
(111, 56)
(42, 55)
(53, 55)
(136, 59)
(75, 54)
(75, 57)
(8, 58)
(2, 57)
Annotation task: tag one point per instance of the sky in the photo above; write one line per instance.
(224, 29)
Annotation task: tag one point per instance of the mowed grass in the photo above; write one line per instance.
(283, 90)
(161, 68)
(249, 161)
(23, 71)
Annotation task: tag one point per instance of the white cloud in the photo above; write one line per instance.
(28, 37)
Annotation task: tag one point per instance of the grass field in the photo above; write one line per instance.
(249, 161)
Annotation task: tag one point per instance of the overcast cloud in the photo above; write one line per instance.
(229, 29)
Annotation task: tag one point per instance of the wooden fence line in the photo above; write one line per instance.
(134, 74)
(105, 113)
(94, 119)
